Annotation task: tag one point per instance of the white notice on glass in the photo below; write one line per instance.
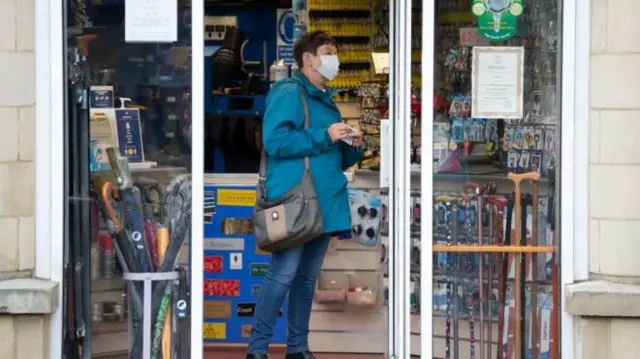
(497, 79)
(151, 20)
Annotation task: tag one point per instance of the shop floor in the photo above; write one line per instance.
(239, 353)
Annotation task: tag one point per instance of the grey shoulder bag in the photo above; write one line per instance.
(293, 219)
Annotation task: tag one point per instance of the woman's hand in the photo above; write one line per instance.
(357, 138)
(338, 131)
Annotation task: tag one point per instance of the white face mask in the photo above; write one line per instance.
(329, 66)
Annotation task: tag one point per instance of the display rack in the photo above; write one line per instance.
(351, 24)
(111, 336)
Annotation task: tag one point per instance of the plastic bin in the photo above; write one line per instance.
(332, 287)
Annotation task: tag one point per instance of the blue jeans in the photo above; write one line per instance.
(293, 272)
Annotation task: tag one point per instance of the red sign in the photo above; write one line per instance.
(213, 264)
(222, 287)
(469, 36)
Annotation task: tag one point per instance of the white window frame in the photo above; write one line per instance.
(49, 216)
(49, 139)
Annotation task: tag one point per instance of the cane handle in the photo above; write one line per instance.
(446, 198)
(519, 177)
(478, 189)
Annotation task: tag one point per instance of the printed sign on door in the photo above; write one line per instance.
(222, 287)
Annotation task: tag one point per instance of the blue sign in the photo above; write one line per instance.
(101, 97)
(234, 268)
(285, 39)
(129, 134)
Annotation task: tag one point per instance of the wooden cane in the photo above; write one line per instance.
(497, 237)
(517, 179)
(479, 192)
(535, 188)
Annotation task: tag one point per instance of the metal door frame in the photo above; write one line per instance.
(196, 262)
(399, 319)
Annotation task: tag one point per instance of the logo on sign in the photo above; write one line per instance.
(245, 309)
(255, 289)
(249, 310)
(286, 21)
(222, 287)
(213, 264)
(259, 269)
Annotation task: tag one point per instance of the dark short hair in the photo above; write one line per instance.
(310, 42)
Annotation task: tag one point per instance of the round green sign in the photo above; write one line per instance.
(497, 19)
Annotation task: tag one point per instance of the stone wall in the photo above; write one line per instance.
(614, 199)
(17, 135)
(607, 322)
(22, 336)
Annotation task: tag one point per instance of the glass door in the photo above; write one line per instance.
(134, 91)
(486, 209)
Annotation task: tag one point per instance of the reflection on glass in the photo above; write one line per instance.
(128, 186)
(494, 182)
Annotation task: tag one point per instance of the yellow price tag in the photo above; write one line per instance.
(236, 197)
(214, 330)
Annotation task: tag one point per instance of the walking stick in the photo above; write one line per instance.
(524, 260)
(535, 188)
(479, 191)
(470, 300)
(517, 179)
(496, 237)
(449, 203)
(502, 279)
(555, 280)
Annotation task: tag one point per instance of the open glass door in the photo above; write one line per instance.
(133, 178)
(486, 207)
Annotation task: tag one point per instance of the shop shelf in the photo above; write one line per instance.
(339, 5)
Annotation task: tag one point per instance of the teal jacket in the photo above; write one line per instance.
(287, 143)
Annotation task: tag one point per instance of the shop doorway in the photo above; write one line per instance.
(449, 295)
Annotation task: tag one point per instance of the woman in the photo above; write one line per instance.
(293, 272)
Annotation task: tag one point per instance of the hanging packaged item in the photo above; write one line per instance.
(365, 217)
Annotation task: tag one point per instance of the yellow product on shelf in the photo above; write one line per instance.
(354, 73)
(355, 56)
(347, 83)
(338, 5)
(355, 47)
(339, 28)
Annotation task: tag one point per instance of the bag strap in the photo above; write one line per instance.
(263, 156)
